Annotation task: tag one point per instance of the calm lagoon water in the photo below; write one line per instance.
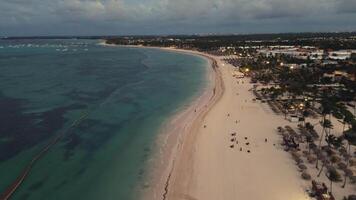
(123, 95)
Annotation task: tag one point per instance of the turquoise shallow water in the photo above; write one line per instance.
(46, 85)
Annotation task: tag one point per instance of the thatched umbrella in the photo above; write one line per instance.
(296, 157)
(306, 176)
(348, 172)
(335, 159)
(302, 167)
(311, 159)
(328, 150)
(342, 165)
(330, 167)
(352, 162)
(342, 150)
(313, 146)
(306, 153)
(353, 179)
(298, 161)
(347, 156)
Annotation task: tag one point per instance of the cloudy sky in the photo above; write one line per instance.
(121, 17)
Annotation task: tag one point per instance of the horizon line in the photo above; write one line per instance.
(168, 35)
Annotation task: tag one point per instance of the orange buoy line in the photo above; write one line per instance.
(11, 189)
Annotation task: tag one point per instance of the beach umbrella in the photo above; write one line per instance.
(352, 162)
(342, 165)
(335, 159)
(302, 167)
(348, 172)
(330, 167)
(311, 159)
(306, 176)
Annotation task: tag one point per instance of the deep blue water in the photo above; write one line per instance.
(116, 97)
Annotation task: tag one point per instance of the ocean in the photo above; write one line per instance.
(105, 105)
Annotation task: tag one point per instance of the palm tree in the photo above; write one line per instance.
(286, 107)
(326, 124)
(305, 115)
(350, 136)
(332, 141)
(309, 140)
(324, 160)
(348, 118)
(333, 176)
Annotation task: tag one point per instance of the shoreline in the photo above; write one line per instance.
(170, 140)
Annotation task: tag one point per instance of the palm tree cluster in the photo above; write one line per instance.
(337, 143)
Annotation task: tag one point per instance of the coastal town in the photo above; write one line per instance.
(305, 86)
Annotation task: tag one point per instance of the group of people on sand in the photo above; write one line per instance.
(235, 142)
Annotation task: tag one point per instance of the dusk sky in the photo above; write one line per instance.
(122, 17)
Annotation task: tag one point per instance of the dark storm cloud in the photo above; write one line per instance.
(34, 17)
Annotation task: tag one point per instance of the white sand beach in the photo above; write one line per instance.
(203, 164)
(208, 168)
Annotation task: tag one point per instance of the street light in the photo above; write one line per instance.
(301, 105)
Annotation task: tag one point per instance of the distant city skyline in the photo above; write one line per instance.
(157, 17)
